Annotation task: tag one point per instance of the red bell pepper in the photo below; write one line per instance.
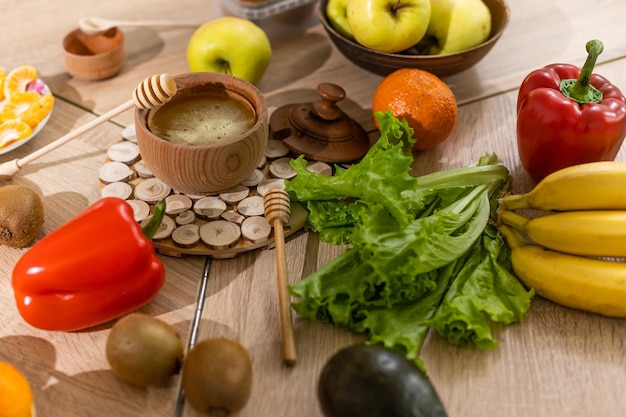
(568, 116)
(95, 268)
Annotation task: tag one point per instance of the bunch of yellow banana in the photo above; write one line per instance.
(566, 256)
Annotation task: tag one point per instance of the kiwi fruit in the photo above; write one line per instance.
(217, 377)
(144, 350)
(21, 215)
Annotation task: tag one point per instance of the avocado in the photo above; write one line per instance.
(373, 381)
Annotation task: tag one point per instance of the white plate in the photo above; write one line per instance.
(36, 130)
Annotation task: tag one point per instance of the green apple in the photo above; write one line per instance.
(337, 13)
(230, 45)
(457, 25)
(388, 25)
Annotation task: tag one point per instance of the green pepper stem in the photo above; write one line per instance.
(580, 90)
(150, 229)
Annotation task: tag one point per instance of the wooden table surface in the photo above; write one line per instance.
(558, 362)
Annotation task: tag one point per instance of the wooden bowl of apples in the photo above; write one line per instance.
(442, 48)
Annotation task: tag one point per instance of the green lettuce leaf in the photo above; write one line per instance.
(403, 328)
(386, 266)
(484, 292)
(389, 158)
(422, 254)
(334, 220)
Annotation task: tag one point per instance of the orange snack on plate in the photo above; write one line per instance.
(13, 130)
(18, 79)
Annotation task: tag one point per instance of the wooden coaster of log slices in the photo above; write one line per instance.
(221, 225)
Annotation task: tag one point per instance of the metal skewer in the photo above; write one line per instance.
(195, 328)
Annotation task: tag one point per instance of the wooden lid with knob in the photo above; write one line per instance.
(320, 131)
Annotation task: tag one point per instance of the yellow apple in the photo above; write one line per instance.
(337, 13)
(388, 25)
(457, 25)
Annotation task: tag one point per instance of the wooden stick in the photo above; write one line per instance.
(96, 25)
(150, 93)
(276, 204)
(10, 168)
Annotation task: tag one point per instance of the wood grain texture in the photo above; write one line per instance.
(68, 371)
(558, 362)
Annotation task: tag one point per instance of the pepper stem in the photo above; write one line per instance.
(150, 229)
(580, 90)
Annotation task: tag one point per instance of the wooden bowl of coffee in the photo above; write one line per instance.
(209, 137)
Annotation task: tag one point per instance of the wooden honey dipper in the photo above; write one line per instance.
(277, 211)
(154, 91)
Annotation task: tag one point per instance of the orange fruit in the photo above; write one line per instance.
(18, 79)
(37, 111)
(16, 395)
(18, 103)
(3, 76)
(12, 131)
(423, 99)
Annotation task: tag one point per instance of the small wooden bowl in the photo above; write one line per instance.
(383, 64)
(211, 168)
(94, 57)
